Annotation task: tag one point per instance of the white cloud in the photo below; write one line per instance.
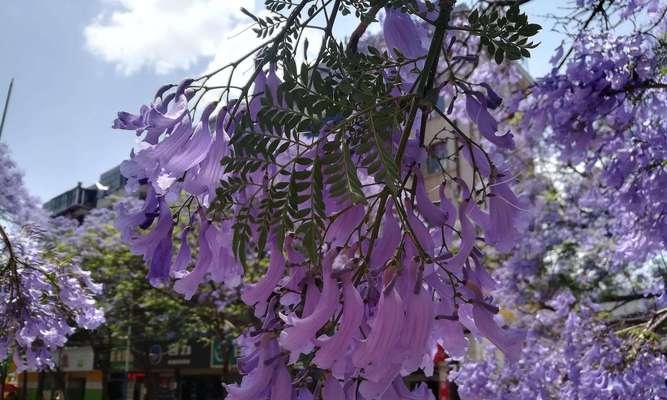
(168, 35)
(171, 35)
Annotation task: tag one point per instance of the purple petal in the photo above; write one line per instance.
(510, 342)
(434, 215)
(281, 386)
(418, 324)
(386, 245)
(383, 338)
(165, 120)
(195, 150)
(189, 283)
(504, 209)
(260, 291)
(183, 257)
(301, 333)
(402, 33)
(332, 389)
(493, 101)
(205, 181)
(259, 85)
(487, 125)
(336, 346)
(345, 223)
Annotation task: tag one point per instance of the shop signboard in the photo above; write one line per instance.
(74, 359)
(177, 355)
(222, 352)
(217, 354)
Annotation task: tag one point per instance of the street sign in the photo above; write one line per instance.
(217, 354)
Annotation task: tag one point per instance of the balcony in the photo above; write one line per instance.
(73, 203)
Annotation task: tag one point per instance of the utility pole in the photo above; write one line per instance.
(4, 111)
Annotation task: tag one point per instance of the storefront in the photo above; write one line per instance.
(179, 371)
(74, 378)
(183, 371)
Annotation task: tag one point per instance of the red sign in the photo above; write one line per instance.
(9, 388)
(133, 376)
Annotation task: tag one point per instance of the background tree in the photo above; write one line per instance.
(596, 139)
(137, 314)
(42, 299)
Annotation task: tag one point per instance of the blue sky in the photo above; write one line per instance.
(76, 63)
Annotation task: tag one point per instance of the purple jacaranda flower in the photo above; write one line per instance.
(281, 384)
(313, 295)
(159, 118)
(335, 347)
(493, 101)
(204, 180)
(162, 115)
(486, 124)
(224, 267)
(128, 220)
(294, 257)
(184, 256)
(476, 158)
(418, 325)
(173, 144)
(431, 13)
(154, 247)
(300, 334)
(304, 394)
(504, 209)
(448, 330)
(480, 275)
(44, 293)
(296, 272)
(509, 341)
(265, 83)
(555, 58)
(196, 148)
(382, 339)
(296, 275)
(188, 283)
(432, 214)
(332, 389)
(258, 293)
(346, 222)
(163, 89)
(403, 34)
(422, 235)
(466, 319)
(385, 246)
(129, 121)
(399, 391)
(455, 263)
(414, 152)
(259, 85)
(257, 383)
(450, 212)
(378, 389)
(153, 134)
(273, 82)
(160, 262)
(480, 217)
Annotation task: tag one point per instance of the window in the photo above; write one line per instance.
(437, 157)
